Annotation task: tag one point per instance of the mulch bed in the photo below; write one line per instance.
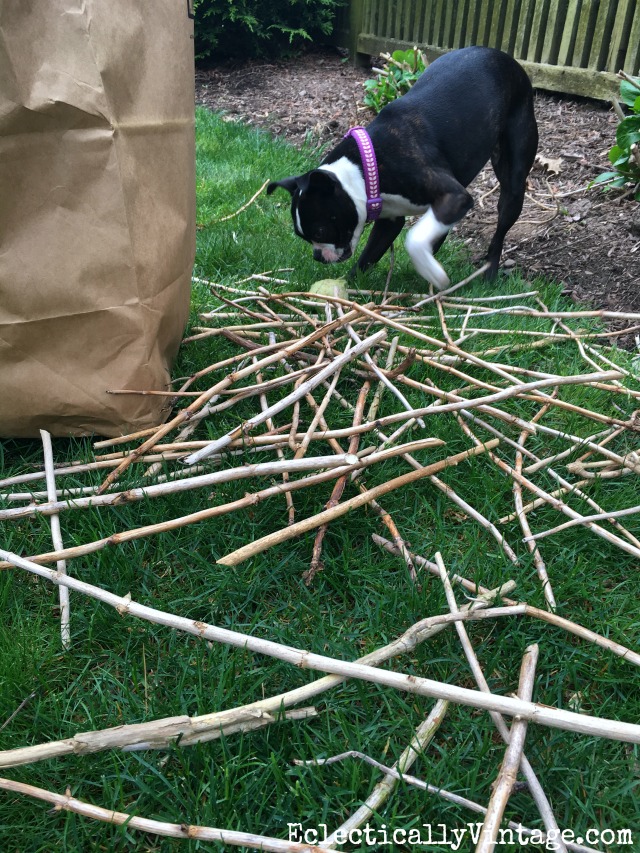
(586, 239)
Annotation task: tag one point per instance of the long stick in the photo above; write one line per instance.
(241, 554)
(383, 790)
(185, 831)
(544, 615)
(56, 538)
(297, 394)
(536, 789)
(206, 396)
(601, 516)
(524, 522)
(261, 469)
(158, 734)
(251, 499)
(541, 714)
(509, 769)
(448, 796)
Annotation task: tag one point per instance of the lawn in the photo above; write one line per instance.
(122, 670)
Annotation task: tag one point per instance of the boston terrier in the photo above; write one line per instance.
(416, 158)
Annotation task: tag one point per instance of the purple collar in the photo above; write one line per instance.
(370, 169)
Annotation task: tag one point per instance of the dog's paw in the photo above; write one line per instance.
(426, 265)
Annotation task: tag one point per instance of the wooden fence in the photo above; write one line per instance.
(573, 46)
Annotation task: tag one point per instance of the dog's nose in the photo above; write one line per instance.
(318, 256)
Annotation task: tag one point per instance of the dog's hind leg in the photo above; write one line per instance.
(512, 160)
(382, 235)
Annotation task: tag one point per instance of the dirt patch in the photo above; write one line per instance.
(588, 240)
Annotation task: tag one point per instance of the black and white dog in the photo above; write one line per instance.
(469, 106)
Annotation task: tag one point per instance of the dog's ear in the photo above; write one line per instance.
(289, 184)
(322, 182)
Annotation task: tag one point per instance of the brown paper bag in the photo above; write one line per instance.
(97, 210)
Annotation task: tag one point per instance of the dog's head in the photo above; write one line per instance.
(323, 213)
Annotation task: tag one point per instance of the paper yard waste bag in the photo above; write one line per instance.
(97, 210)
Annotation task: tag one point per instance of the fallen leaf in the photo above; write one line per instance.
(553, 165)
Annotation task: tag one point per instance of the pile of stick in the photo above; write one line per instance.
(299, 360)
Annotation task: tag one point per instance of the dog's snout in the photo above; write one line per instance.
(330, 254)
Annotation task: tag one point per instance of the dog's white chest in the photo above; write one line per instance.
(397, 205)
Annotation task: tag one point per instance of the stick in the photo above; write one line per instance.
(260, 469)
(336, 494)
(540, 714)
(279, 452)
(336, 364)
(544, 615)
(157, 734)
(244, 553)
(65, 802)
(524, 522)
(206, 396)
(383, 790)
(56, 538)
(536, 789)
(251, 499)
(453, 288)
(601, 516)
(509, 769)
(393, 773)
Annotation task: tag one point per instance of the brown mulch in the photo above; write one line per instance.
(586, 239)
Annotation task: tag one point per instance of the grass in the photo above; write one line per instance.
(123, 671)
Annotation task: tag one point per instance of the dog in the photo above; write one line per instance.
(416, 158)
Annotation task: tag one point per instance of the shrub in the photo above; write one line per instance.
(625, 154)
(398, 74)
(249, 28)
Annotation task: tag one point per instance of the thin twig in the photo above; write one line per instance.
(511, 762)
(56, 538)
(542, 714)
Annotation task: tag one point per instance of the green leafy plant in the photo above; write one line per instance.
(625, 154)
(398, 74)
(247, 28)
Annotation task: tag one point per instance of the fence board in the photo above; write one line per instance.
(632, 59)
(524, 28)
(621, 26)
(460, 23)
(573, 46)
(568, 41)
(510, 31)
(556, 22)
(447, 24)
(583, 34)
(601, 35)
(484, 19)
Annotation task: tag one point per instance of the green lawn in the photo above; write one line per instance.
(122, 670)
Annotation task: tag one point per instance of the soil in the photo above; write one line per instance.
(586, 239)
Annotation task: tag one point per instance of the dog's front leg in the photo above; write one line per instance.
(382, 235)
(429, 232)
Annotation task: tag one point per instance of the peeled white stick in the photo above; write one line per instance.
(56, 538)
(511, 762)
(381, 376)
(391, 773)
(211, 478)
(544, 715)
(537, 792)
(383, 790)
(161, 733)
(242, 429)
(366, 497)
(585, 519)
(65, 802)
